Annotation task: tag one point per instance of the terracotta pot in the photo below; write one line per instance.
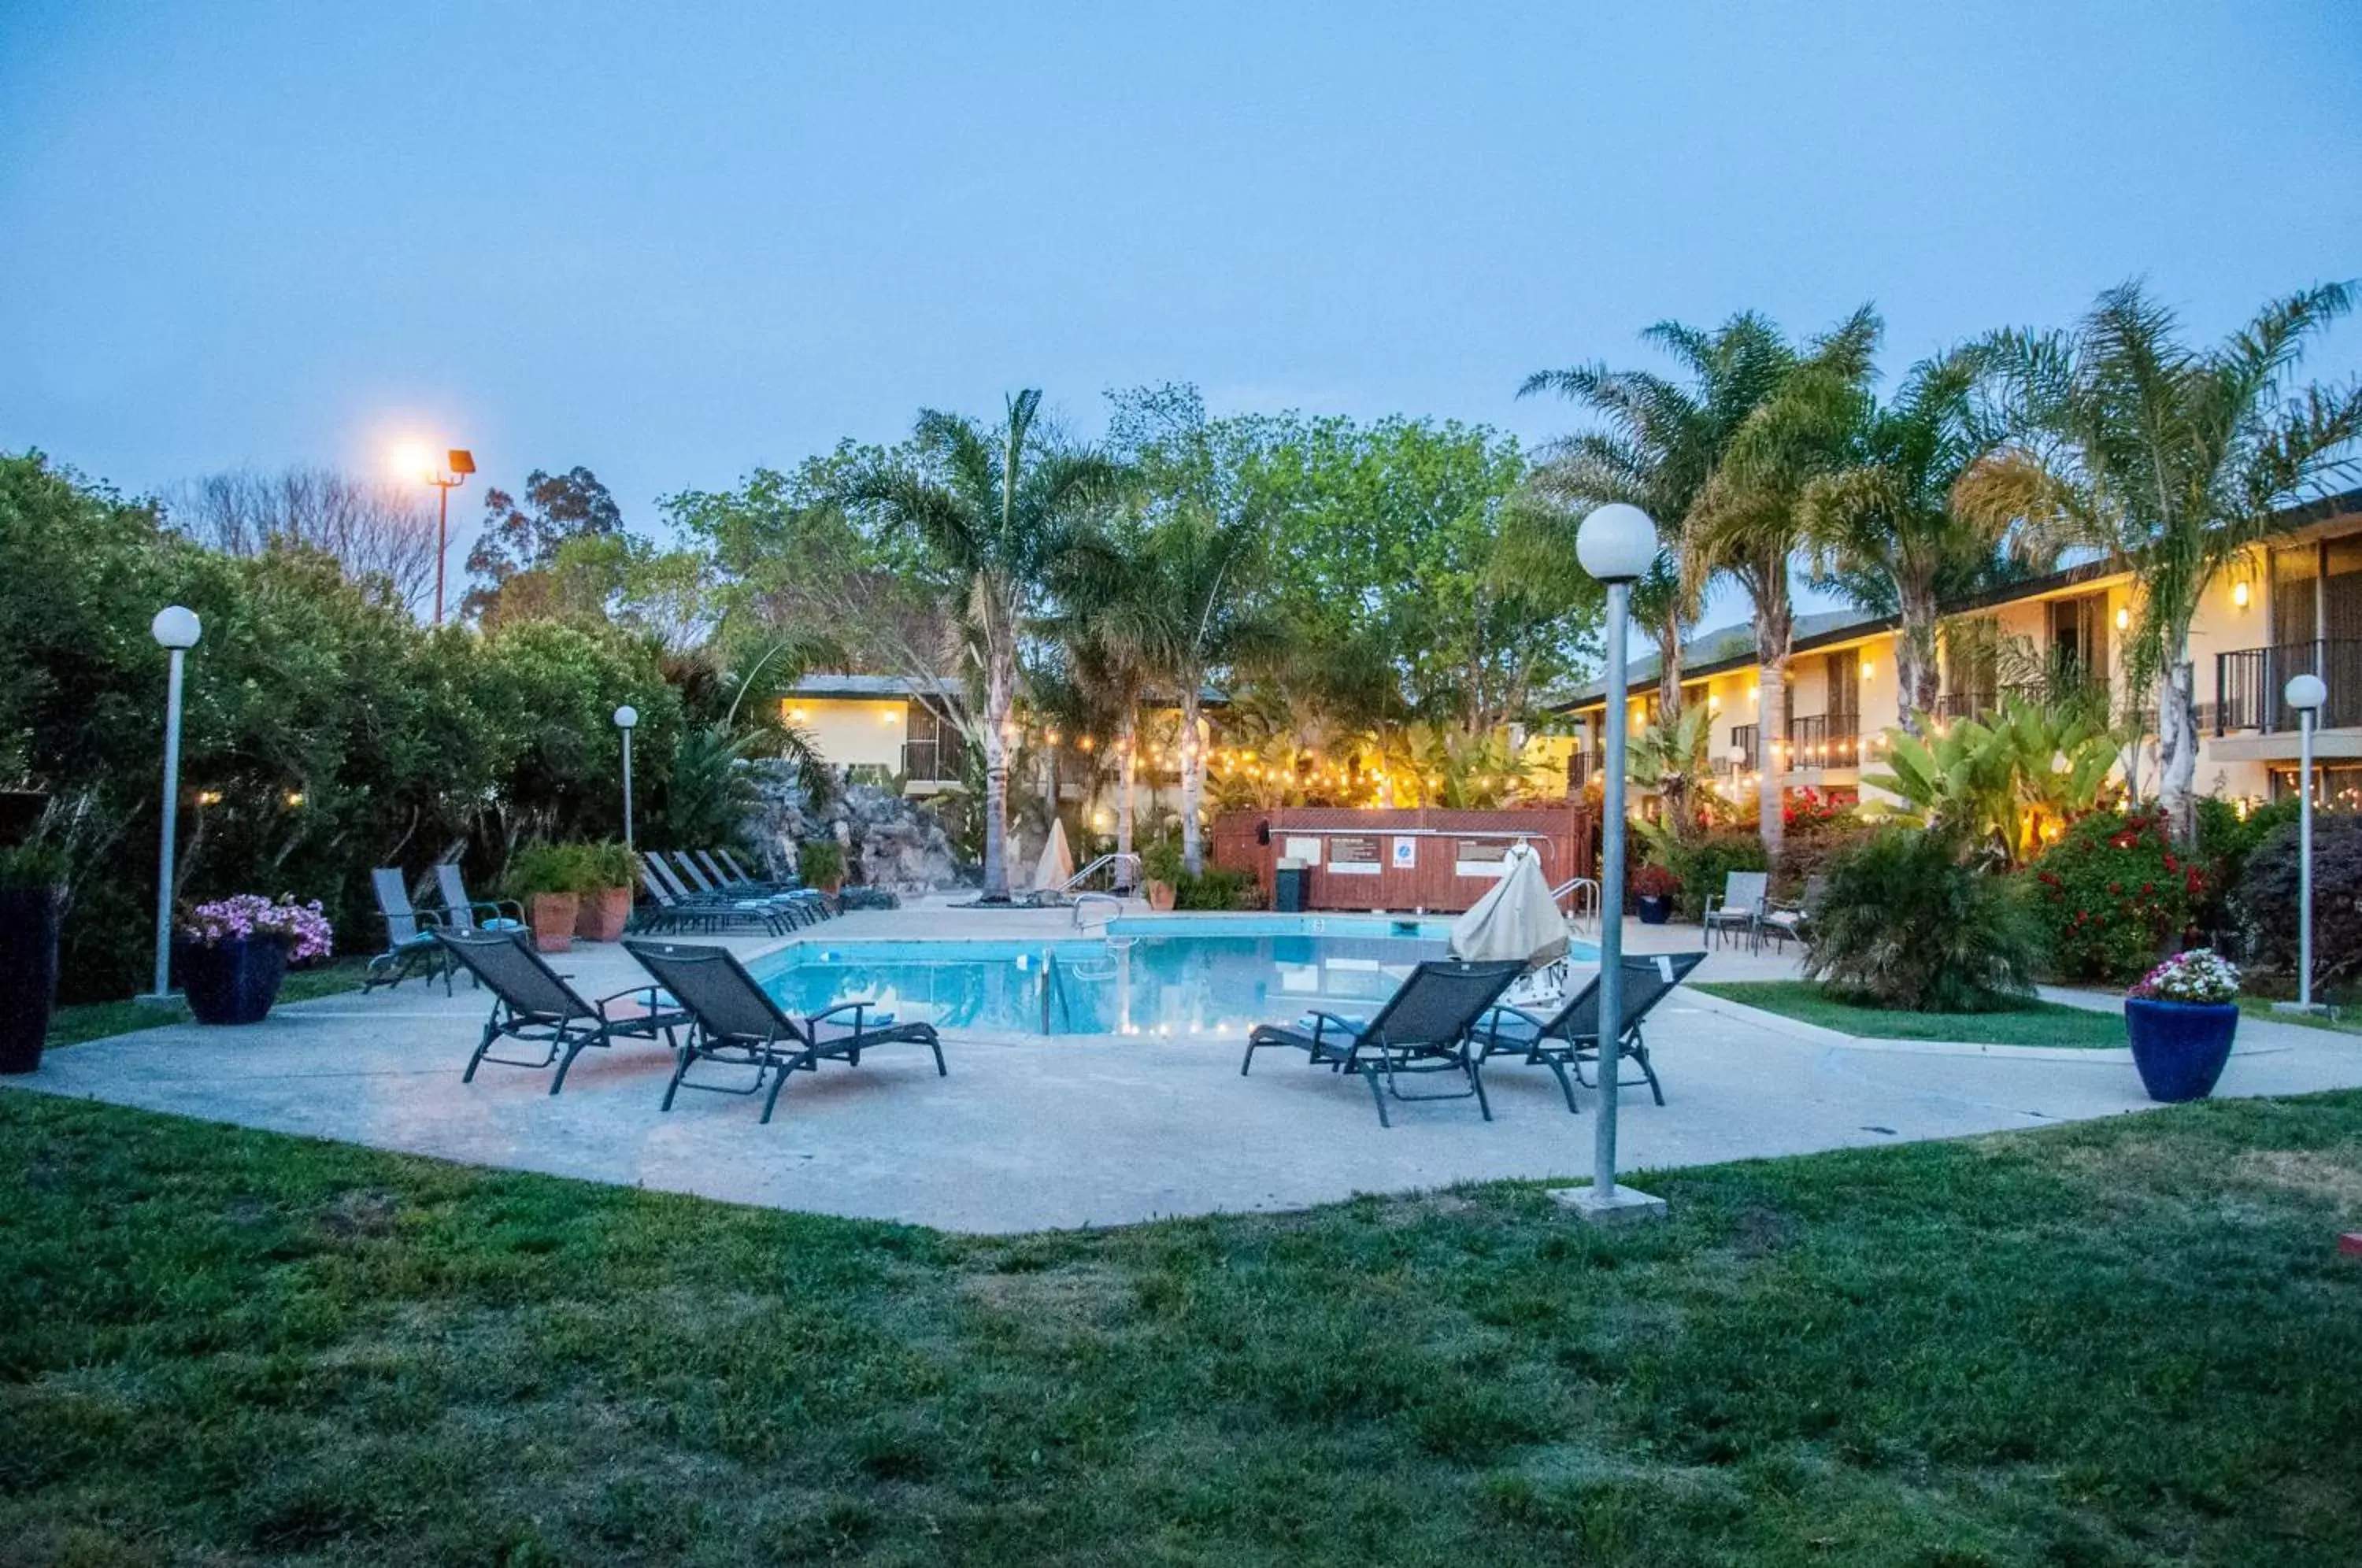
(1160, 896)
(553, 915)
(604, 914)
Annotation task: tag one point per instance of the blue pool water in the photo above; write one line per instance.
(1169, 976)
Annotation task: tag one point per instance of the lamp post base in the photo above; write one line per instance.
(1619, 1207)
(2315, 1009)
(159, 998)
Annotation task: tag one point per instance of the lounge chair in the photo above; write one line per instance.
(675, 910)
(803, 906)
(1739, 908)
(1785, 922)
(461, 911)
(733, 883)
(532, 1003)
(410, 947)
(1423, 1028)
(734, 1021)
(1570, 1037)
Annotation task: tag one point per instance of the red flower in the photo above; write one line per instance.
(2115, 887)
(2148, 886)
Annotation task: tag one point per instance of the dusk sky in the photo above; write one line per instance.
(673, 243)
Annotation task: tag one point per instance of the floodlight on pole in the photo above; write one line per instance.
(447, 474)
(627, 719)
(176, 630)
(2305, 693)
(1616, 544)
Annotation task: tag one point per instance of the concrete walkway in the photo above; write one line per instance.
(1029, 1132)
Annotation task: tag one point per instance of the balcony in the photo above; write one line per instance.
(1747, 740)
(2248, 683)
(1824, 740)
(933, 762)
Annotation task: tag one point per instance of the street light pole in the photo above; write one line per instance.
(2305, 693)
(176, 630)
(1616, 544)
(458, 464)
(626, 718)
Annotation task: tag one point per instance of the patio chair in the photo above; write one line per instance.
(677, 911)
(410, 947)
(734, 1021)
(1739, 906)
(1570, 1037)
(730, 883)
(461, 911)
(798, 906)
(1423, 1028)
(1783, 922)
(533, 1003)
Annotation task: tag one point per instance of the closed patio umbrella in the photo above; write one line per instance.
(1057, 862)
(1517, 919)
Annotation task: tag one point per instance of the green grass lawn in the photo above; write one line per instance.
(95, 1021)
(2128, 1342)
(2028, 1023)
(2346, 1022)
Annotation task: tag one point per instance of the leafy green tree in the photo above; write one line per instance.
(994, 511)
(1662, 441)
(510, 559)
(2008, 783)
(2171, 458)
(1748, 524)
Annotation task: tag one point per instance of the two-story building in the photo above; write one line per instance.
(2292, 606)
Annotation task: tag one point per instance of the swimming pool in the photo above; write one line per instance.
(1170, 976)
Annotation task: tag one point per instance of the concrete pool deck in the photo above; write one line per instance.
(1031, 1134)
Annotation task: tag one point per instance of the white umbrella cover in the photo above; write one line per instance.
(1517, 919)
(1057, 862)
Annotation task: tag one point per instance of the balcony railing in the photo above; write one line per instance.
(933, 761)
(1747, 740)
(1824, 740)
(2249, 684)
(1582, 768)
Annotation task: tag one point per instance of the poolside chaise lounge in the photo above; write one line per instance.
(410, 947)
(692, 889)
(677, 911)
(708, 880)
(734, 1021)
(460, 912)
(1423, 1028)
(1570, 1037)
(533, 1003)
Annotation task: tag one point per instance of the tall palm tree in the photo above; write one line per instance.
(2171, 458)
(1747, 525)
(1185, 613)
(1663, 440)
(1883, 525)
(997, 511)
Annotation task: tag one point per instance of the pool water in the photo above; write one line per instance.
(1167, 977)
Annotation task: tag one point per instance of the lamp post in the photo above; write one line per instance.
(458, 464)
(2305, 693)
(176, 630)
(626, 718)
(1616, 544)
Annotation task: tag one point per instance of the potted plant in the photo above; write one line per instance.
(605, 908)
(232, 953)
(819, 863)
(1160, 865)
(548, 879)
(2181, 1018)
(32, 892)
(1655, 888)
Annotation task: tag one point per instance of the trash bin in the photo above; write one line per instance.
(1287, 887)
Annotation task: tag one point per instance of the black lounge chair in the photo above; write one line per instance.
(692, 889)
(1571, 1037)
(1423, 1028)
(532, 1003)
(734, 1021)
(675, 911)
(410, 947)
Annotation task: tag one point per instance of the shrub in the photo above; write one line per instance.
(2265, 902)
(2225, 840)
(34, 866)
(1160, 861)
(1702, 865)
(610, 865)
(1905, 920)
(819, 862)
(2114, 893)
(541, 869)
(1653, 881)
(1213, 889)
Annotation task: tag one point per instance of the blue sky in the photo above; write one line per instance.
(672, 243)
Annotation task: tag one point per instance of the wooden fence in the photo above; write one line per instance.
(1374, 859)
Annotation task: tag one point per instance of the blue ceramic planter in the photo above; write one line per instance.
(234, 981)
(2180, 1047)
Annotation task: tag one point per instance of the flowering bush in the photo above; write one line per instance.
(304, 927)
(2114, 892)
(1655, 882)
(2201, 975)
(1807, 811)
